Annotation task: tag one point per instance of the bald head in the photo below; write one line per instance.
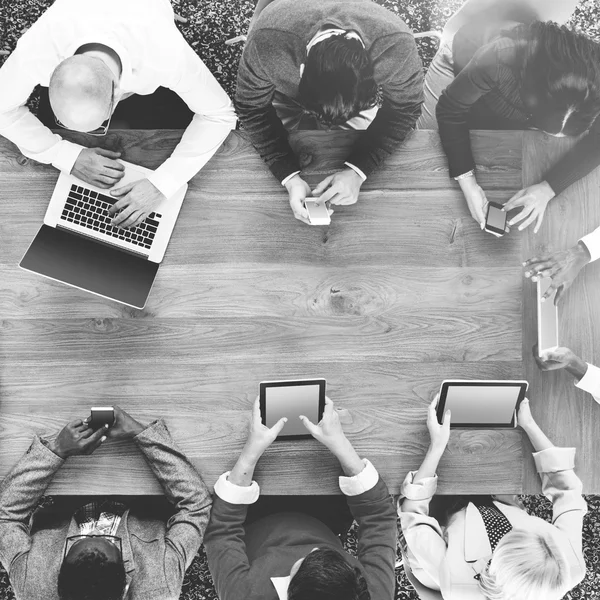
(80, 92)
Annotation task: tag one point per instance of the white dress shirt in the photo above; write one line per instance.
(592, 243)
(590, 382)
(153, 53)
(351, 486)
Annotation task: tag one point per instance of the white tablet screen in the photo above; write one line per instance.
(482, 404)
(291, 401)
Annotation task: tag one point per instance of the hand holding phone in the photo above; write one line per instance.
(495, 222)
(101, 416)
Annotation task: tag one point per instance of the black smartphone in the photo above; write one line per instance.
(495, 221)
(101, 416)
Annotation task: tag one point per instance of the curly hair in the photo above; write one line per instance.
(91, 576)
(338, 80)
(559, 77)
(526, 565)
(326, 575)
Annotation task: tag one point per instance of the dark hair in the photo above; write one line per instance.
(91, 576)
(560, 77)
(338, 80)
(326, 575)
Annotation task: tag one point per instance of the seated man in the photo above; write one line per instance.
(279, 550)
(319, 63)
(93, 54)
(103, 550)
(564, 266)
(587, 376)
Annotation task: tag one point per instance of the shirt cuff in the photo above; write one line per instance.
(590, 382)
(592, 243)
(356, 170)
(236, 494)
(289, 177)
(363, 482)
(553, 460)
(67, 154)
(164, 183)
(423, 490)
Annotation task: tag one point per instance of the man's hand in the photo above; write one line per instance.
(329, 429)
(476, 199)
(524, 417)
(98, 167)
(137, 201)
(260, 436)
(340, 188)
(534, 201)
(562, 267)
(438, 434)
(125, 426)
(77, 438)
(560, 358)
(298, 191)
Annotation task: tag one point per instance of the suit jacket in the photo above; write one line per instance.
(448, 559)
(156, 554)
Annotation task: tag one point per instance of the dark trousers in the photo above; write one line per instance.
(331, 510)
(163, 109)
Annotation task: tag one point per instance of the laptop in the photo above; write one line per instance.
(78, 246)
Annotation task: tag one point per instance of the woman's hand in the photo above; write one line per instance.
(438, 434)
(534, 200)
(476, 199)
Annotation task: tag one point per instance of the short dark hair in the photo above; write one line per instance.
(91, 576)
(338, 80)
(560, 77)
(326, 575)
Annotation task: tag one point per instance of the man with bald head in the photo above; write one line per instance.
(113, 61)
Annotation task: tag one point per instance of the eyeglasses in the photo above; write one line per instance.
(76, 538)
(105, 125)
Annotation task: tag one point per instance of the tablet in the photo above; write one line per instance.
(291, 399)
(547, 318)
(482, 404)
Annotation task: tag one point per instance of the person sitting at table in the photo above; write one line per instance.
(286, 547)
(563, 266)
(93, 56)
(506, 70)
(317, 64)
(490, 547)
(587, 376)
(104, 550)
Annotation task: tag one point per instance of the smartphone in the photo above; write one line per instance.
(547, 318)
(101, 416)
(317, 213)
(495, 221)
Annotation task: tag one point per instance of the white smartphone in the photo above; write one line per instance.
(547, 318)
(317, 213)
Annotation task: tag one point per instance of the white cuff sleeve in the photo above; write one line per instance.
(164, 183)
(554, 459)
(363, 482)
(590, 382)
(423, 490)
(67, 154)
(356, 170)
(592, 243)
(236, 494)
(289, 177)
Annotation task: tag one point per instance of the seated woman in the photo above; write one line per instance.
(514, 72)
(489, 547)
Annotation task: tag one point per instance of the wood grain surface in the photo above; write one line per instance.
(569, 415)
(402, 291)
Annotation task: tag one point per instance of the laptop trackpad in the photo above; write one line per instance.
(92, 266)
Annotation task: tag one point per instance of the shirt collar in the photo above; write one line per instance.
(281, 585)
(327, 33)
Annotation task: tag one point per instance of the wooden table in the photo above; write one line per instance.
(400, 292)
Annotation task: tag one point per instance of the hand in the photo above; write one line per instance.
(438, 434)
(329, 429)
(524, 417)
(137, 201)
(298, 191)
(77, 438)
(125, 426)
(534, 201)
(340, 188)
(98, 167)
(260, 436)
(560, 358)
(476, 199)
(562, 267)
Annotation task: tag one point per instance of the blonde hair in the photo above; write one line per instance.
(526, 565)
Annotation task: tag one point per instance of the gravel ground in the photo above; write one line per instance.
(209, 24)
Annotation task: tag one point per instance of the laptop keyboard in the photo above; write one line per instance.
(90, 209)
